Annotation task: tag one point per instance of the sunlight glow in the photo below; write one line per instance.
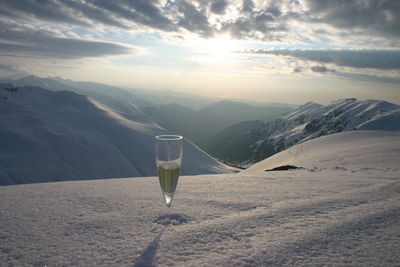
(221, 45)
(220, 49)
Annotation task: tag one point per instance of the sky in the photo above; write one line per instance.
(290, 51)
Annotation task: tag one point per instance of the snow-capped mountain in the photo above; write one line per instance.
(50, 136)
(250, 142)
(114, 97)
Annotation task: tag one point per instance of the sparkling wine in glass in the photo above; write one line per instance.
(169, 151)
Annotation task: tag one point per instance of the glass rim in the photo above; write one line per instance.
(169, 137)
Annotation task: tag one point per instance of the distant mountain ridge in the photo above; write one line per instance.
(52, 136)
(203, 124)
(250, 142)
(114, 97)
(197, 118)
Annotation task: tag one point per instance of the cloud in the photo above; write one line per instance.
(266, 24)
(247, 6)
(288, 22)
(198, 17)
(376, 59)
(193, 20)
(145, 12)
(218, 6)
(5, 68)
(377, 17)
(297, 69)
(369, 77)
(94, 14)
(52, 11)
(22, 40)
(121, 14)
(321, 69)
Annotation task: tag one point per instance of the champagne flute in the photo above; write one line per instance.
(169, 151)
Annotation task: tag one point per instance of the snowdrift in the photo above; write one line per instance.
(347, 150)
(298, 218)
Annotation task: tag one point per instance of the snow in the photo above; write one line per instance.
(334, 216)
(52, 136)
(340, 115)
(346, 150)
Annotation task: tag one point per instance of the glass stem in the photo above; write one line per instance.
(168, 216)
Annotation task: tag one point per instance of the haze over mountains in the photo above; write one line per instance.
(202, 125)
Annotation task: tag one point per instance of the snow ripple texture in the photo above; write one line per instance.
(276, 218)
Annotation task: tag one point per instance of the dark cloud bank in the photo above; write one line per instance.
(23, 40)
(383, 17)
(380, 17)
(270, 22)
(377, 59)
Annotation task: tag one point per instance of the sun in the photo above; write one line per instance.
(221, 45)
(220, 49)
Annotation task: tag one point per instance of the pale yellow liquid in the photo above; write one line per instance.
(168, 175)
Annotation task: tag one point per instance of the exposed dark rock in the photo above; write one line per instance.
(285, 168)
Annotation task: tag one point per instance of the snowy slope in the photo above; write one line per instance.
(51, 136)
(309, 121)
(111, 96)
(355, 150)
(297, 218)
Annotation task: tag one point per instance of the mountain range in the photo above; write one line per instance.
(203, 124)
(197, 118)
(62, 135)
(57, 129)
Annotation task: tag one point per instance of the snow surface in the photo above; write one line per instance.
(355, 150)
(51, 136)
(328, 217)
(340, 115)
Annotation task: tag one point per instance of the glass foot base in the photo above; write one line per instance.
(168, 198)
